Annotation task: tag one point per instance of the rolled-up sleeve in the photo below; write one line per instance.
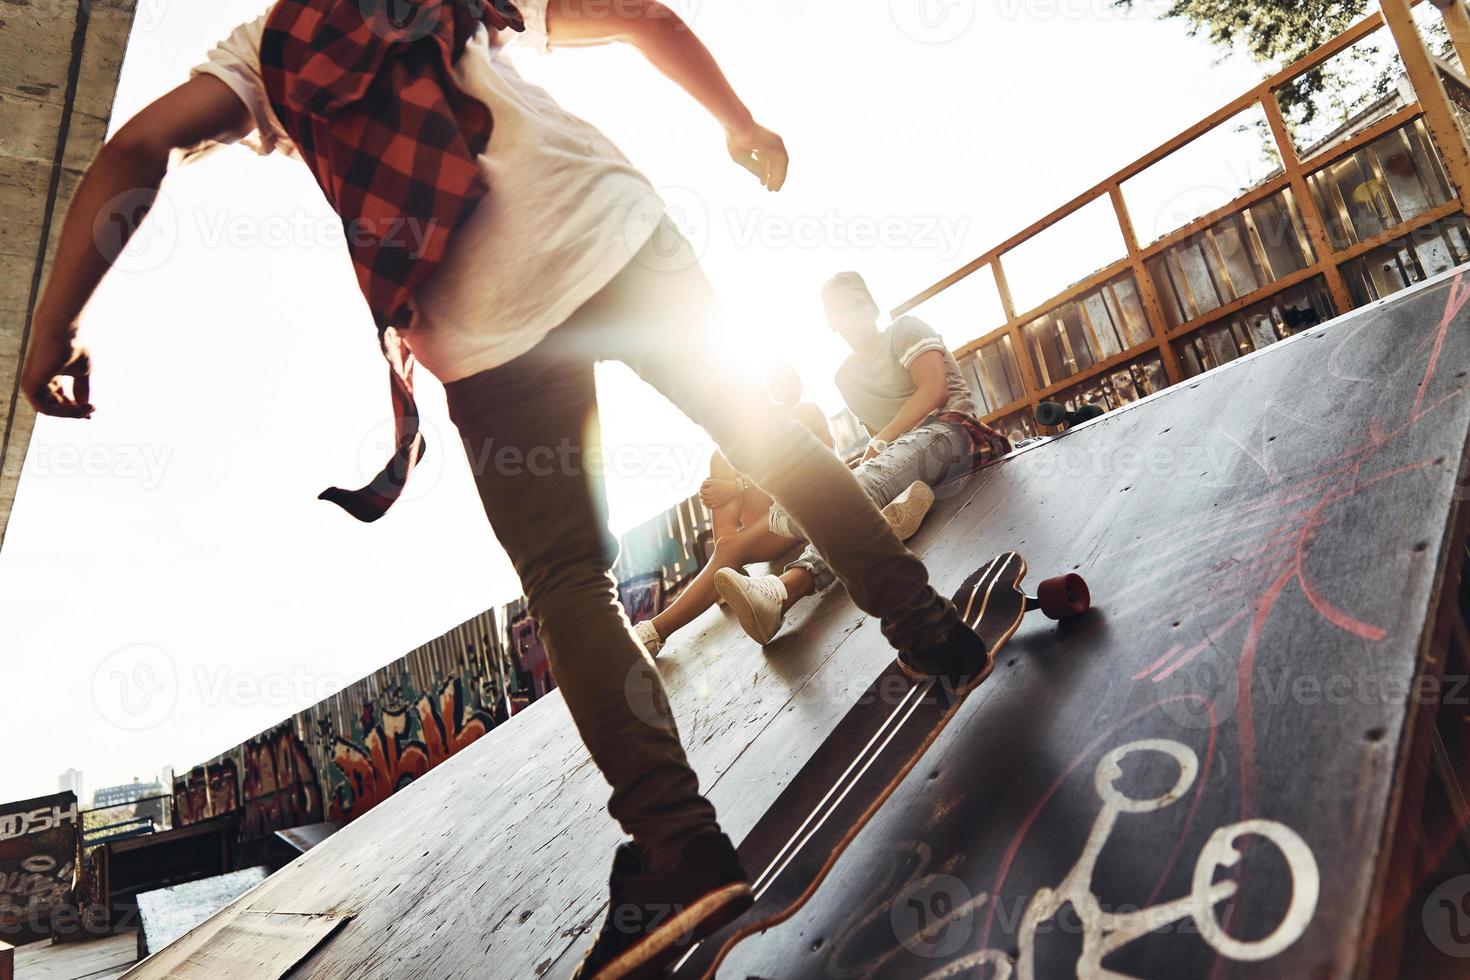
(913, 337)
(236, 62)
(533, 12)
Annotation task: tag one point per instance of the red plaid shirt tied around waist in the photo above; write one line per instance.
(366, 91)
(986, 444)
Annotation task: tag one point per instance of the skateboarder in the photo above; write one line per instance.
(537, 250)
(905, 386)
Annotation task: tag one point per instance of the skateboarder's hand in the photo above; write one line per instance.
(876, 448)
(762, 153)
(49, 363)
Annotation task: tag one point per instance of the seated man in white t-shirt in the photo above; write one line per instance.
(566, 261)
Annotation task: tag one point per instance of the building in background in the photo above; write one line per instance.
(126, 793)
(71, 782)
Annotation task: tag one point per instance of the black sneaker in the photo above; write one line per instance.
(653, 919)
(959, 657)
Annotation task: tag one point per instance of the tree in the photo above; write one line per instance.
(1279, 32)
(1272, 31)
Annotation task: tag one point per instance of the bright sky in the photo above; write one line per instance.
(172, 546)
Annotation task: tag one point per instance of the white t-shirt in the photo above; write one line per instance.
(565, 213)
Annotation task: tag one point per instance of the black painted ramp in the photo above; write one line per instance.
(1223, 743)
(1266, 548)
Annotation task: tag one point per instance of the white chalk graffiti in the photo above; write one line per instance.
(36, 821)
(1104, 932)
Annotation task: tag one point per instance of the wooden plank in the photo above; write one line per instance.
(165, 914)
(89, 959)
(1283, 516)
(7, 961)
(249, 946)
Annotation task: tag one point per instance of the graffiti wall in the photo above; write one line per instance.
(339, 758)
(40, 850)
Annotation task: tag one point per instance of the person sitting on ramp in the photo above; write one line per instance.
(906, 388)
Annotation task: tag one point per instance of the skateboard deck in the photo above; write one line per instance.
(791, 849)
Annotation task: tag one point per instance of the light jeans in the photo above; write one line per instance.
(934, 452)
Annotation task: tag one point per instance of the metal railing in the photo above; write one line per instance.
(1020, 367)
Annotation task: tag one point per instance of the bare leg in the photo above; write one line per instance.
(752, 543)
(749, 508)
(756, 505)
(799, 583)
(724, 519)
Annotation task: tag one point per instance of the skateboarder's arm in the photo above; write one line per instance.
(930, 394)
(672, 47)
(110, 202)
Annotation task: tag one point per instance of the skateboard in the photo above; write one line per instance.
(858, 766)
(1055, 413)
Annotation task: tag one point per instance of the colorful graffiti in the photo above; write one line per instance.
(40, 851)
(525, 637)
(643, 597)
(341, 757)
(404, 744)
(279, 780)
(279, 788)
(210, 790)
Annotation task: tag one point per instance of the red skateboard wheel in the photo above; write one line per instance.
(1064, 596)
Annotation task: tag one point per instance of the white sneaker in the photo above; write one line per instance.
(756, 601)
(648, 636)
(906, 511)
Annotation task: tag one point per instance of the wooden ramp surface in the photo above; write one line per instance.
(1266, 547)
(103, 958)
